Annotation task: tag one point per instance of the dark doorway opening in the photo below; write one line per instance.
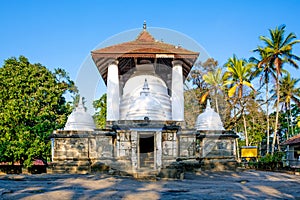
(146, 143)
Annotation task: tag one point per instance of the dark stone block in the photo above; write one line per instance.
(99, 167)
(11, 169)
(37, 169)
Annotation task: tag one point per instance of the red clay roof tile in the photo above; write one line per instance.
(292, 140)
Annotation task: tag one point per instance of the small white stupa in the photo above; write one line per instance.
(146, 107)
(80, 120)
(209, 120)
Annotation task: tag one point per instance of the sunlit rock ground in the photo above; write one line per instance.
(204, 185)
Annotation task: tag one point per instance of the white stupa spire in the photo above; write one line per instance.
(80, 106)
(208, 106)
(145, 91)
(79, 119)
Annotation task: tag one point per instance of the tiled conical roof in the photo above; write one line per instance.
(144, 46)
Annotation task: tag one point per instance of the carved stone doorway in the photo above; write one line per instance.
(146, 150)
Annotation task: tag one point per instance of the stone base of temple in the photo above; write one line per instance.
(112, 167)
(218, 164)
(174, 170)
(144, 152)
(71, 166)
(148, 174)
(171, 173)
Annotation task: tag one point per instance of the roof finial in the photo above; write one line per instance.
(146, 87)
(80, 105)
(208, 105)
(145, 90)
(144, 25)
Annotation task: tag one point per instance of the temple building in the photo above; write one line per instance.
(145, 116)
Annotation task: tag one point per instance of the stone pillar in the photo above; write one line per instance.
(113, 92)
(134, 156)
(158, 147)
(177, 91)
(234, 146)
(52, 147)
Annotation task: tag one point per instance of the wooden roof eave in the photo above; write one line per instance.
(103, 62)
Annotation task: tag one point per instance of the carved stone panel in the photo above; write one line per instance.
(187, 146)
(101, 147)
(70, 148)
(169, 144)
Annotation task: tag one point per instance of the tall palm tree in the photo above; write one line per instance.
(264, 70)
(289, 92)
(240, 72)
(278, 50)
(216, 81)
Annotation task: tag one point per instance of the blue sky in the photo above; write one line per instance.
(61, 33)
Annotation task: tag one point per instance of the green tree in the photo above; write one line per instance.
(216, 80)
(31, 107)
(196, 78)
(191, 107)
(278, 50)
(100, 115)
(256, 119)
(289, 92)
(264, 71)
(240, 72)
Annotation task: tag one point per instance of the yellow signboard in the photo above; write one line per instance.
(249, 151)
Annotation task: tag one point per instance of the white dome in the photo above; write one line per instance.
(80, 120)
(146, 106)
(209, 120)
(134, 86)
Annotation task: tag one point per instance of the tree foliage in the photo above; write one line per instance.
(100, 115)
(277, 50)
(31, 107)
(239, 71)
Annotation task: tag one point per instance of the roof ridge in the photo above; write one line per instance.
(145, 36)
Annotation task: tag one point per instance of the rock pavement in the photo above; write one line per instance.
(204, 185)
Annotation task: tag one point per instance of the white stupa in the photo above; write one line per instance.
(80, 120)
(154, 99)
(146, 107)
(209, 120)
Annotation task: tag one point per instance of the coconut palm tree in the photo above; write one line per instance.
(216, 81)
(289, 92)
(264, 70)
(278, 50)
(239, 74)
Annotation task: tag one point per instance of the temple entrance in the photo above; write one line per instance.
(146, 150)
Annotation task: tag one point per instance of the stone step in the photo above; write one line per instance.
(146, 174)
(147, 163)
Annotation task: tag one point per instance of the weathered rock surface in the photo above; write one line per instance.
(204, 185)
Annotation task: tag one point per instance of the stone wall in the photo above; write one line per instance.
(169, 147)
(71, 148)
(83, 152)
(217, 148)
(101, 147)
(71, 155)
(77, 151)
(187, 146)
(217, 151)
